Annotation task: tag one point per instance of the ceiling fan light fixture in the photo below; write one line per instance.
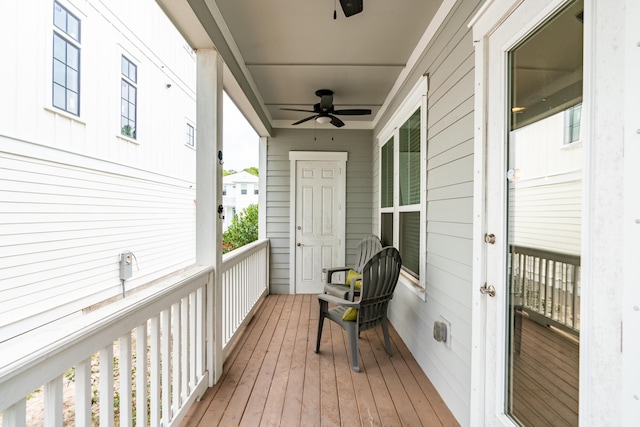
(323, 120)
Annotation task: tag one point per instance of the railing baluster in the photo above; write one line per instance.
(154, 389)
(165, 357)
(176, 354)
(125, 381)
(193, 339)
(83, 393)
(15, 415)
(184, 349)
(141, 375)
(53, 403)
(201, 338)
(106, 386)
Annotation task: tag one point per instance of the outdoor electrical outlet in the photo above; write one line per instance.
(442, 331)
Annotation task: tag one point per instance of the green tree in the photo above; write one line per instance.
(242, 231)
(252, 170)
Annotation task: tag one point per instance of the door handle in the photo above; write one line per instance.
(298, 244)
(487, 289)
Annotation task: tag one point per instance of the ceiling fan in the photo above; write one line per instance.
(324, 111)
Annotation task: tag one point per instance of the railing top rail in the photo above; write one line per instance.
(237, 255)
(548, 255)
(27, 361)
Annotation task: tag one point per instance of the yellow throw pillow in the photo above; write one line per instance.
(352, 274)
(350, 314)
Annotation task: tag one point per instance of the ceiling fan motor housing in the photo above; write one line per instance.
(351, 7)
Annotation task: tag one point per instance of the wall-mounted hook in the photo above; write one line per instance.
(220, 211)
(220, 157)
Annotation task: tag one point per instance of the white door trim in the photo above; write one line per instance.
(294, 157)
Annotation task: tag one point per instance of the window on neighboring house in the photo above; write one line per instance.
(66, 60)
(224, 190)
(572, 118)
(128, 98)
(255, 188)
(191, 136)
(243, 188)
(400, 169)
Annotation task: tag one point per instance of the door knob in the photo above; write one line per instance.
(298, 244)
(488, 290)
(490, 238)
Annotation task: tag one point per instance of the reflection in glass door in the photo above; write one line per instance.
(544, 181)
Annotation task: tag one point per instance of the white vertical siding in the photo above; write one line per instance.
(449, 61)
(142, 32)
(359, 188)
(73, 193)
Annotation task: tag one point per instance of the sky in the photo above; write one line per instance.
(240, 140)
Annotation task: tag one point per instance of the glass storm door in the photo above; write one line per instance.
(533, 206)
(544, 206)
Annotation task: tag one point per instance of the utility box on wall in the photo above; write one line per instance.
(126, 265)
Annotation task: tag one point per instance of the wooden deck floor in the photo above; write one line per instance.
(545, 386)
(273, 378)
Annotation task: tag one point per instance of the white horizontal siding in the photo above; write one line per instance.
(63, 227)
(359, 188)
(547, 216)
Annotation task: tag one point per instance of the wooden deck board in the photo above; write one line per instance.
(273, 378)
(546, 373)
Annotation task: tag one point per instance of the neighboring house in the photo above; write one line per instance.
(239, 190)
(97, 154)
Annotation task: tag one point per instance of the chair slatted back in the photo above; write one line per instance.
(367, 248)
(379, 278)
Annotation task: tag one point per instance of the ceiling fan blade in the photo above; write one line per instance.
(336, 121)
(296, 109)
(304, 120)
(353, 112)
(351, 7)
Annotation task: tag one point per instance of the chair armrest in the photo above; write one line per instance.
(332, 270)
(338, 301)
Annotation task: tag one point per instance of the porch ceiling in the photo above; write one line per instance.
(279, 52)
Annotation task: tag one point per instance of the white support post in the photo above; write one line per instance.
(209, 195)
(262, 183)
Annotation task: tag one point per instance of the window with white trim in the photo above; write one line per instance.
(191, 135)
(400, 193)
(572, 118)
(128, 98)
(66, 60)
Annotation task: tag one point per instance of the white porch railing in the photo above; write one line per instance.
(155, 339)
(245, 279)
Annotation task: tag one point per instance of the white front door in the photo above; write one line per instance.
(529, 207)
(318, 230)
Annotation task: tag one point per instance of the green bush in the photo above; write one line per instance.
(242, 231)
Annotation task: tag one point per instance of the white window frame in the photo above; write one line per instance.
(68, 40)
(417, 99)
(131, 83)
(190, 135)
